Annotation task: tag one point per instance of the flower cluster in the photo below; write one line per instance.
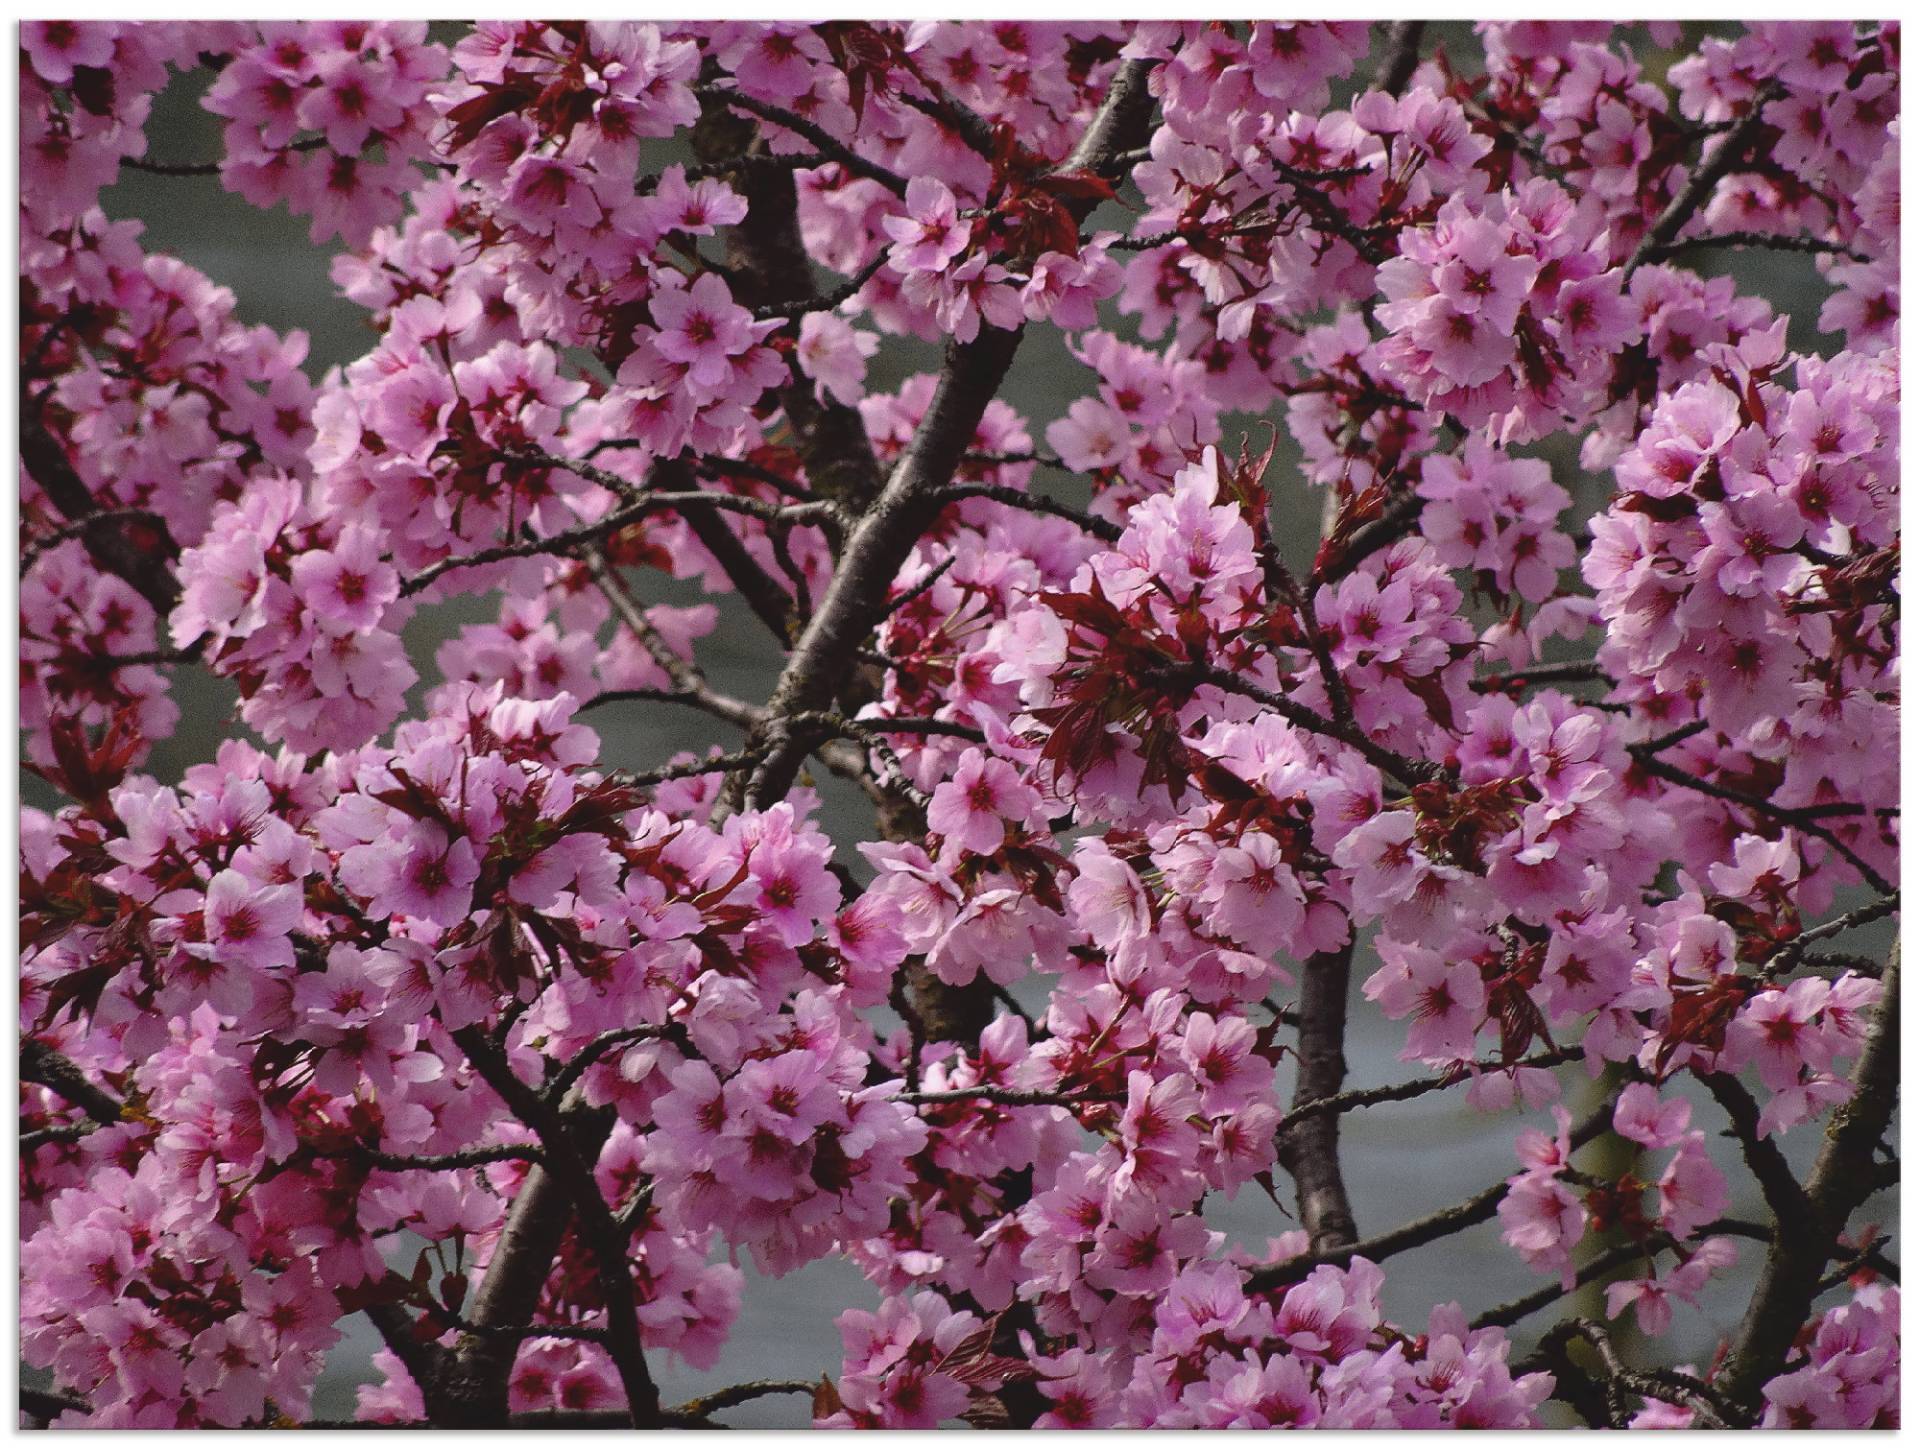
(417, 999)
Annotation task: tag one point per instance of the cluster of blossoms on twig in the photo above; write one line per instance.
(422, 963)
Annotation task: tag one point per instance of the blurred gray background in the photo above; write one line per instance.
(1402, 1161)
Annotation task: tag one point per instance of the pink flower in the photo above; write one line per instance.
(1692, 1191)
(249, 925)
(703, 331)
(55, 47)
(348, 586)
(931, 234)
(1260, 901)
(1640, 1116)
(974, 808)
(1481, 279)
(421, 874)
(1776, 1032)
(1137, 1253)
(350, 103)
(225, 1374)
(543, 191)
(1542, 1220)
(787, 1096)
(834, 354)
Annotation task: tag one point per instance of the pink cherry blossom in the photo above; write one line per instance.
(773, 710)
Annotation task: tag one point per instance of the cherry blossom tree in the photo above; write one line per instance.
(1569, 743)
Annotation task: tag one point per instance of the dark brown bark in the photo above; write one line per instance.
(141, 552)
(1402, 57)
(1310, 1146)
(1841, 1181)
(905, 505)
(50, 1068)
(470, 1387)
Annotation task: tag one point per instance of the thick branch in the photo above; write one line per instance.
(143, 564)
(1310, 1143)
(1617, 1380)
(772, 273)
(47, 1407)
(1707, 175)
(44, 1065)
(450, 1161)
(1402, 57)
(769, 602)
(856, 601)
(422, 1361)
(1842, 1179)
(1768, 1164)
(569, 1162)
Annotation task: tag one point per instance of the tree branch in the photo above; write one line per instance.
(1596, 1267)
(449, 1161)
(1100, 528)
(1406, 1091)
(689, 684)
(1841, 1180)
(143, 565)
(1771, 241)
(890, 527)
(568, 1162)
(594, 1050)
(1666, 1385)
(1786, 815)
(1789, 955)
(569, 539)
(1005, 1097)
(1401, 767)
(1448, 1221)
(1309, 1142)
(42, 1064)
(1402, 57)
(47, 1406)
(1778, 1185)
(1708, 174)
(849, 159)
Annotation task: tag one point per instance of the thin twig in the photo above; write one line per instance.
(1771, 241)
(850, 159)
(1421, 1231)
(1708, 174)
(1786, 815)
(1100, 528)
(1406, 1091)
(845, 292)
